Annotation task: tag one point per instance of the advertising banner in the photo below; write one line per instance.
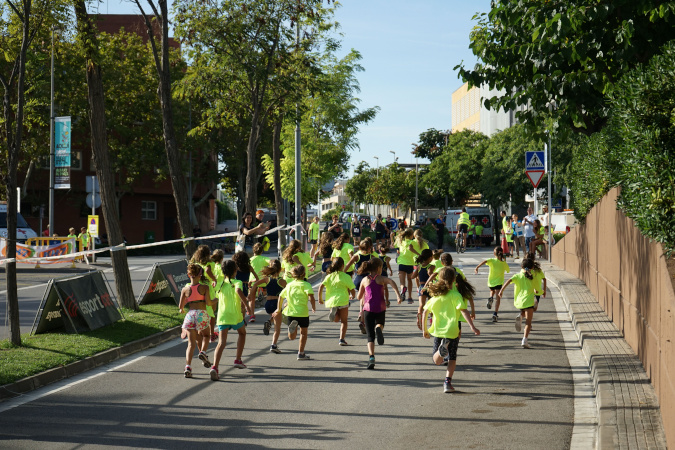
(62, 152)
(166, 280)
(55, 248)
(77, 304)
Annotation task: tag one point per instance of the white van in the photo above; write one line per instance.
(23, 230)
(476, 215)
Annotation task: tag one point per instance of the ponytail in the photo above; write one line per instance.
(424, 256)
(527, 265)
(326, 242)
(340, 241)
(273, 269)
(535, 264)
(336, 265)
(499, 253)
(465, 288)
(446, 276)
(373, 265)
(298, 272)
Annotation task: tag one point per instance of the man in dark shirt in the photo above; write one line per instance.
(439, 225)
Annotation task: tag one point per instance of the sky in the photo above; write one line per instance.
(408, 52)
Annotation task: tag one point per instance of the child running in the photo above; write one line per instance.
(373, 305)
(523, 297)
(446, 261)
(258, 263)
(339, 289)
(296, 293)
(345, 250)
(384, 249)
(271, 278)
(293, 256)
(423, 273)
(196, 320)
(325, 251)
(498, 266)
(243, 274)
(364, 254)
(539, 279)
(406, 261)
(232, 306)
(445, 304)
(417, 245)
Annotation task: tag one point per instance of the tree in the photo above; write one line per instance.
(239, 49)
(457, 171)
(394, 185)
(430, 144)
(357, 186)
(562, 55)
(503, 171)
(19, 23)
(159, 24)
(86, 33)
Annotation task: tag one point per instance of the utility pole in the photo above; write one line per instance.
(52, 158)
(297, 153)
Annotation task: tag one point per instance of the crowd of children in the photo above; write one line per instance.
(222, 293)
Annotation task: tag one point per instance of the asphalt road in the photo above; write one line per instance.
(507, 397)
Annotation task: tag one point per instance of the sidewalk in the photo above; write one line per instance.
(628, 411)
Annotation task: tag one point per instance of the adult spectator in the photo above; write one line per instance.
(439, 225)
(251, 230)
(389, 225)
(259, 216)
(479, 235)
(528, 227)
(334, 227)
(380, 230)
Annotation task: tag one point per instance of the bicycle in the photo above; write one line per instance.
(460, 244)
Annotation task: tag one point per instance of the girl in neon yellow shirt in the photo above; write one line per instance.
(406, 261)
(418, 245)
(313, 234)
(539, 279)
(339, 288)
(498, 266)
(232, 306)
(295, 294)
(523, 297)
(345, 250)
(445, 305)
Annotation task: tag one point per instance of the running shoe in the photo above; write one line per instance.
(188, 372)
(447, 387)
(332, 314)
(274, 349)
(266, 328)
(443, 348)
(371, 362)
(342, 342)
(403, 291)
(302, 356)
(252, 319)
(489, 303)
(214, 374)
(293, 327)
(239, 364)
(205, 359)
(524, 344)
(362, 327)
(410, 301)
(379, 335)
(519, 322)
(214, 337)
(495, 318)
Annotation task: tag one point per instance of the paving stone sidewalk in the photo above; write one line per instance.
(629, 416)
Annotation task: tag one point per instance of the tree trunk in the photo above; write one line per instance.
(251, 201)
(99, 145)
(173, 156)
(276, 158)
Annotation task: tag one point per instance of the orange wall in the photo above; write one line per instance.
(628, 276)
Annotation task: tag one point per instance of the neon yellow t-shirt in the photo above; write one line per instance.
(537, 277)
(337, 286)
(258, 262)
(523, 294)
(297, 294)
(313, 231)
(479, 230)
(344, 254)
(438, 265)
(406, 257)
(445, 309)
(497, 269)
(419, 248)
(509, 233)
(229, 303)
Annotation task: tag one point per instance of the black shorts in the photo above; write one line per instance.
(406, 268)
(356, 233)
(379, 235)
(371, 319)
(271, 306)
(496, 288)
(351, 274)
(312, 241)
(463, 228)
(452, 348)
(303, 322)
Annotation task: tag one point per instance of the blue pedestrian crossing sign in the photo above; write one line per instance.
(535, 161)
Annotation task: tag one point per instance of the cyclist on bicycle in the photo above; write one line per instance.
(463, 225)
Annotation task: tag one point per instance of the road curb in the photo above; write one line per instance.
(50, 376)
(627, 407)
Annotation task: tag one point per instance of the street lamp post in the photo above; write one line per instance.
(393, 153)
(375, 209)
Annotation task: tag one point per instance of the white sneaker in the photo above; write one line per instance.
(519, 323)
(332, 314)
(293, 326)
(525, 344)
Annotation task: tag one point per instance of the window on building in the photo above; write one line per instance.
(148, 210)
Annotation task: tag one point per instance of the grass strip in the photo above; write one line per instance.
(47, 351)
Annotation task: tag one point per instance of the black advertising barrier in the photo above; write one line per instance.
(77, 304)
(166, 280)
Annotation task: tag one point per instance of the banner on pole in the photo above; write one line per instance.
(166, 280)
(77, 304)
(62, 132)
